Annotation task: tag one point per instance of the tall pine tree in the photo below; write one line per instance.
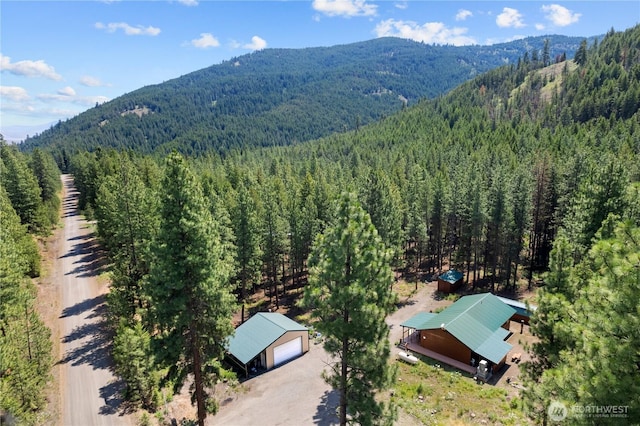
(349, 292)
(190, 302)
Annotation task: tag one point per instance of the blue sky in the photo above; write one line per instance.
(58, 58)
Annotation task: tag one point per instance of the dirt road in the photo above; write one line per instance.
(88, 389)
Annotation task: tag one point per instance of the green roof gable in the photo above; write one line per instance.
(476, 321)
(418, 319)
(258, 332)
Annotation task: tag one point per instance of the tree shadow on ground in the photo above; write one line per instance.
(88, 246)
(93, 260)
(327, 412)
(114, 403)
(85, 305)
(90, 342)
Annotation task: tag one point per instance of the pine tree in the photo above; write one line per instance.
(127, 216)
(132, 353)
(22, 188)
(496, 219)
(25, 346)
(437, 225)
(274, 230)
(247, 233)
(349, 292)
(589, 328)
(546, 56)
(416, 230)
(47, 174)
(581, 54)
(382, 202)
(190, 302)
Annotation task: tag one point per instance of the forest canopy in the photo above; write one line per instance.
(523, 177)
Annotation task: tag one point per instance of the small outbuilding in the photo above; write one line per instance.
(450, 281)
(266, 340)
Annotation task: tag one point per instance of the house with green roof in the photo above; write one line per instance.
(266, 340)
(472, 329)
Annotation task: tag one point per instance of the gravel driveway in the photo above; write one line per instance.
(293, 394)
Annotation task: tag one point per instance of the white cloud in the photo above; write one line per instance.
(346, 8)
(89, 81)
(205, 41)
(402, 5)
(430, 32)
(189, 2)
(257, 43)
(128, 29)
(78, 100)
(540, 27)
(67, 91)
(14, 93)
(463, 14)
(560, 15)
(510, 18)
(22, 108)
(29, 68)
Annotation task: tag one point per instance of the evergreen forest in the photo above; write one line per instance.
(29, 209)
(525, 177)
(277, 97)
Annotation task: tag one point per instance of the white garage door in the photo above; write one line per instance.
(287, 351)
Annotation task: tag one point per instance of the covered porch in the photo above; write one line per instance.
(411, 343)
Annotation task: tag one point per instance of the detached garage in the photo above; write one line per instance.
(267, 340)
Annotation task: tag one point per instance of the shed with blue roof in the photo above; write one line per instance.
(450, 281)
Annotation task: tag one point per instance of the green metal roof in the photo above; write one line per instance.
(476, 321)
(451, 276)
(520, 307)
(258, 332)
(418, 319)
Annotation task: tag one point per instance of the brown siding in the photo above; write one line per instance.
(498, 366)
(444, 286)
(517, 318)
(444, 343)
(447, 287)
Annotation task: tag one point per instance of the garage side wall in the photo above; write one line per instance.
(286, 337)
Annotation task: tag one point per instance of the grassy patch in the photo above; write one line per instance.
(405, 290)
(436, 394)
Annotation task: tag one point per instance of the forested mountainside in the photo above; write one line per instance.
(279, 97)
(527, 176)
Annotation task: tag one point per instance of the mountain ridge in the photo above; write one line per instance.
(283, 96)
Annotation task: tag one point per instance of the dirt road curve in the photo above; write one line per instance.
(89, 391)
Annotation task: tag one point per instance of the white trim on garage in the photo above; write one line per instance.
(287, 351)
